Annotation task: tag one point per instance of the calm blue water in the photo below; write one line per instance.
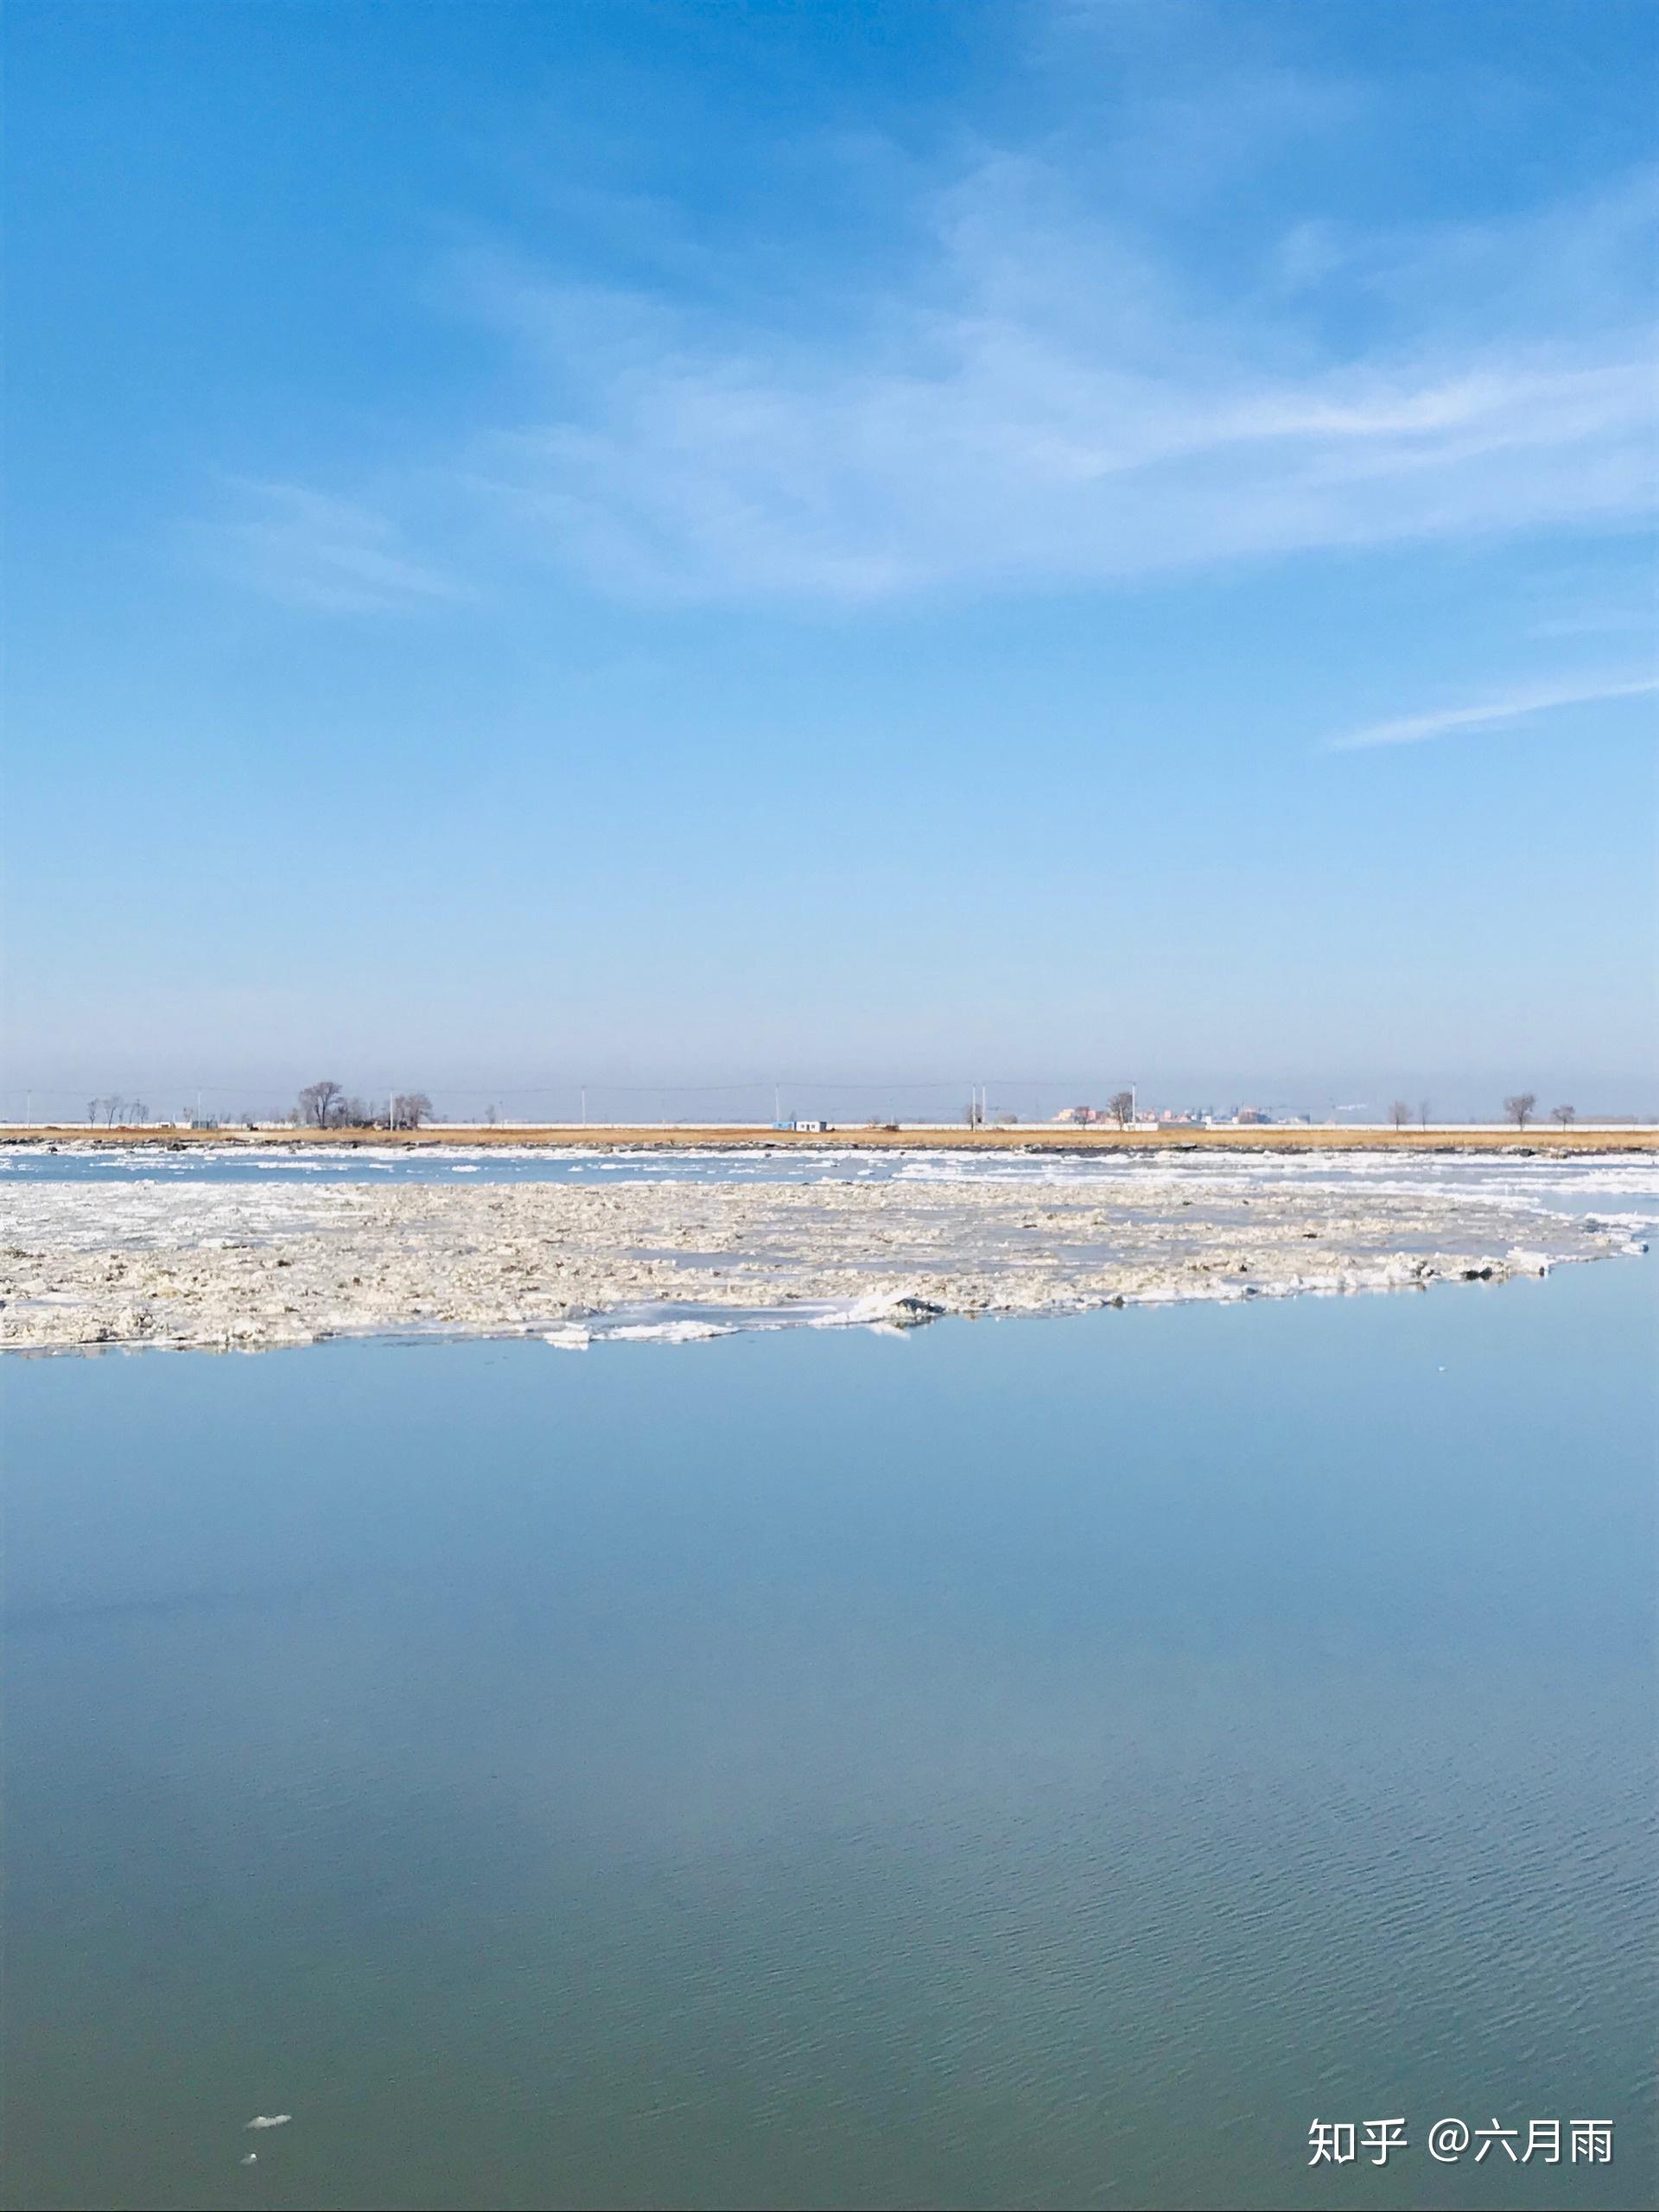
(1035, 1763)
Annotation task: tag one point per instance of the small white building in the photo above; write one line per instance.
(809, 1129)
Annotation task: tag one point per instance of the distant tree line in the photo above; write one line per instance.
(328, 1106)
(109, 1110)
(1521, 1106)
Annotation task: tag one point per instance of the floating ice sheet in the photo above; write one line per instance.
(101, 1258)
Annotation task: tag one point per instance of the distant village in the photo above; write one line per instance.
(328, 1106)
(1195, 1118)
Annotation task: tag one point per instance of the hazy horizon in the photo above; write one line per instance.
(844, 1100)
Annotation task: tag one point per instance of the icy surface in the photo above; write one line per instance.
(168, 1257)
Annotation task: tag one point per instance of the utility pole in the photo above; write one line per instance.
(584, 1105)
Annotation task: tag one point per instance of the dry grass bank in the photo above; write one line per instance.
(1034, 1138)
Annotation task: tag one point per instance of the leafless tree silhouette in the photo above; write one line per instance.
(318, 1104)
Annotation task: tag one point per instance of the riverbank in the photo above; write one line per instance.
(1038, 1137)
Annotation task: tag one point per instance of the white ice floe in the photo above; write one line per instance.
(219, 1261)
(669, 1332)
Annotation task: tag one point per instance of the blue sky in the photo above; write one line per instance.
(641, 543)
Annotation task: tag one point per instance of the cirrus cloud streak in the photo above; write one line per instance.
(1517, 706)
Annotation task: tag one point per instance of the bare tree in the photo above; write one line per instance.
(1400, 1113)
(409, 1109)
(1519, 1107)
(1120, 1107)
(1565, 1114)
(352, 1114)
(1422, 1115)
(317, 1104)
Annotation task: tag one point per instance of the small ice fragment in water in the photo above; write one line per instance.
(270, 2119)
(900, 1311)
(908, 1312)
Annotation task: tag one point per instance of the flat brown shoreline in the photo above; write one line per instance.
(732, 1137)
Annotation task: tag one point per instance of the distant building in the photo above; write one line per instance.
(1250, 1114)
(809, 1129)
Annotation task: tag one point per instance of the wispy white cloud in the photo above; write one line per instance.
(1516, 706)
(1596, 622)
(1050, 401)
(311, 549)
(1044, 394)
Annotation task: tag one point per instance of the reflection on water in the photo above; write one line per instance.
(1037, 1764)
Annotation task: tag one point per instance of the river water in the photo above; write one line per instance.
(1032, 1762)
